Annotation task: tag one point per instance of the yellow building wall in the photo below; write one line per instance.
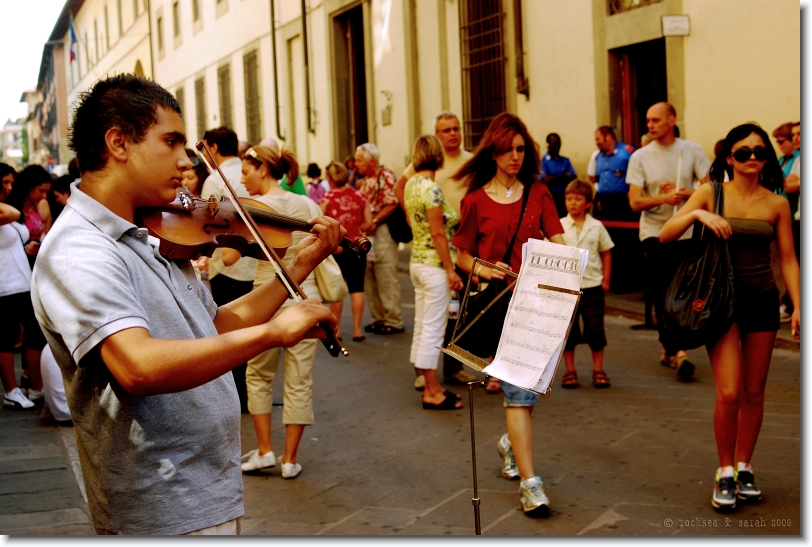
(742, 63)
(560, 64)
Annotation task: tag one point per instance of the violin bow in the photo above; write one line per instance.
(330, 341)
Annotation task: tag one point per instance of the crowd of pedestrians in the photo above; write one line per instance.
(459, 205)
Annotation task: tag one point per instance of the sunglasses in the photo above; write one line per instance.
(744, 154)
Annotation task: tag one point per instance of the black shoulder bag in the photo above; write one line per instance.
(699, 302)
(482, 338)
(399, 228)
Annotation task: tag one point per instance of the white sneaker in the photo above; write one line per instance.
(531, 494)
(35, 394)
(256, 462)
(15, 399)
(783, 316)
(290, 470)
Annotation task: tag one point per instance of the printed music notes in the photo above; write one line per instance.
(540, 315)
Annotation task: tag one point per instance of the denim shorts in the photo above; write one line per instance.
(516, 396)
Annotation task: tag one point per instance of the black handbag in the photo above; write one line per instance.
(482, 339)
(699, 302)
(399, 228)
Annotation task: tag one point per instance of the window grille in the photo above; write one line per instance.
(253, 114)
(200, 103)
(619, 6)
(224, 86)
(483, 66)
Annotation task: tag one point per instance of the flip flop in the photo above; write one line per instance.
(456, 396)
(447, 403)
(359, 338)
(371, 327)
(380, 328)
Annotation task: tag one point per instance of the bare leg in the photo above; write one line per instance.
(569, 359)
(32, 357)
(520, 434)
(337, 308)
(725, 358)
(7, 371)
(357, 300)
(262, 425)
(757, 349)
(293, 434)
(597, 360)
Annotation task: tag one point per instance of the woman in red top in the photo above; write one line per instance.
(504, 167)
(351, 208)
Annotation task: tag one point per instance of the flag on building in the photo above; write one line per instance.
(73, 41)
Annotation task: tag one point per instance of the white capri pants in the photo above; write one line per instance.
(431, 298)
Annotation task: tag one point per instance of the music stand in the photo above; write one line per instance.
(478, 363)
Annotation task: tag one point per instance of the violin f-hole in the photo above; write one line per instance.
(206, 227)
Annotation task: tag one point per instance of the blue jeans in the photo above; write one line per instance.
(516, 396)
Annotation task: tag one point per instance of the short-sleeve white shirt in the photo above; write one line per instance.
(593, 237)
(653, 164)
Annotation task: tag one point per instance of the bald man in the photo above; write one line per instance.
(661, 177)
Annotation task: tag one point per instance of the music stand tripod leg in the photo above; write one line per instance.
(475, 499)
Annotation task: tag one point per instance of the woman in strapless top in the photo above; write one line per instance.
(753, 216)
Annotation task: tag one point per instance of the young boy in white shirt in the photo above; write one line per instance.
(585, 232)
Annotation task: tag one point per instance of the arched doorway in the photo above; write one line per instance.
(139, 70)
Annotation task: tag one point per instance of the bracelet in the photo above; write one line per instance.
(476, 272)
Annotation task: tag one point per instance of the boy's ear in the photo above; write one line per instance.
(117, 144)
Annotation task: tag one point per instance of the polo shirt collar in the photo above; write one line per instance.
(97, 214)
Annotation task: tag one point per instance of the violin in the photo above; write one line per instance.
(192, 226)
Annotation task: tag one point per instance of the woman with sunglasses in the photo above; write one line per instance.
(753, 216)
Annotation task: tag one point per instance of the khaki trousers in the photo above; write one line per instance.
(298, 393)
(381, 285)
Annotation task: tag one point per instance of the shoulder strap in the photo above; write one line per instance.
(525, 197)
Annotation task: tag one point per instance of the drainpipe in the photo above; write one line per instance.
(149, 34)
(275, 69)
(306, 67)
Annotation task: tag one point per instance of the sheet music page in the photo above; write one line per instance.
(537, 321)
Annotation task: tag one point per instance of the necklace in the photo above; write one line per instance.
(508, 189)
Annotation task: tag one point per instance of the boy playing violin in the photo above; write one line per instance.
(144, 350)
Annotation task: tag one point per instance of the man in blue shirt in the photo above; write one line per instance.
(556, 172)
(610, 169)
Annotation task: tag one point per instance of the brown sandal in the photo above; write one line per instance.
(570, 380)
(600, 379)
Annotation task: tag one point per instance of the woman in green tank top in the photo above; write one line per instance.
(753, 215)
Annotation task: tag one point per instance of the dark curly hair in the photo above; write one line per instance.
(125, 101)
